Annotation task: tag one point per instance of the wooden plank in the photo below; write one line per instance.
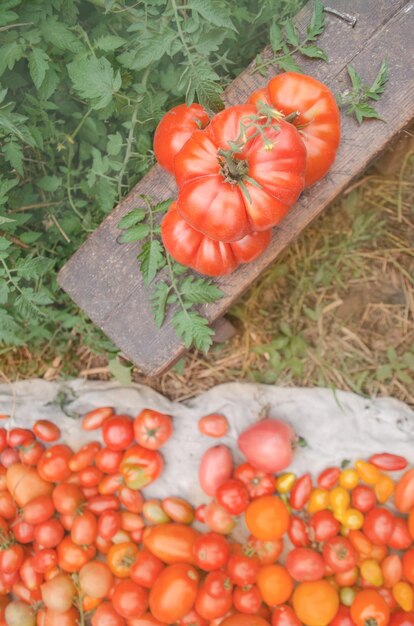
(103, 278)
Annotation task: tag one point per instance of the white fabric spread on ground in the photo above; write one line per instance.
(336, 425)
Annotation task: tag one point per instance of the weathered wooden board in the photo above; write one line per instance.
(103, 276)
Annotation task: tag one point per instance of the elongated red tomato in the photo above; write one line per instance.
(318, 121)
(204, 255)
(227, 194)
(389, 462)
(174, 593)
(174, 129)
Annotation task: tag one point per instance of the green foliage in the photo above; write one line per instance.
(175, 287)
(83, 84)
(397, 367)
(285, 352)
(356, 99)
(286, 41)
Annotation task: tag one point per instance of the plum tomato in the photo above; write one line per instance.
(46, 431)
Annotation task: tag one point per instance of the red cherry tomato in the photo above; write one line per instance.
(298, 532)
(20, 437)
(324, 526)
(218, 584)
(243, 569)
(247, 599)
(363, 498)
(301, 491)
(329, 478)
(400, 537)
(388, 462)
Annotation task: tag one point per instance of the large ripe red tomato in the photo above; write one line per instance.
(217, 584)
(174, 593)
(152, 429)
(192, 248)
(247, 599)
(324, 525)
(174, 129)
(318, 121)
(233, 496)
(130, 599)
(211, 551)
(118, 432)
(146, 568)
(141, 466)
(304, 564)
(53, 465)
(339, 554)
(378, 526)
(258, 483)
(268, 445)
(227, 196)
(370, 608)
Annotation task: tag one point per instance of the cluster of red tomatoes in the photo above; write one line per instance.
(239, 173)
(80, 545)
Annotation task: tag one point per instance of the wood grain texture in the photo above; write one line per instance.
(103, 277)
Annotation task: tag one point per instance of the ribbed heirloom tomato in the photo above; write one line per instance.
(193, 249)
(227, 192)
(175, 128)
(318, 121)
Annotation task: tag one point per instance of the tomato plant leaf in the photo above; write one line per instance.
(288, 64)
(132, 218)
(193, 329)
(135, 233)
(313, 52)
(159, 299)
(14, 155)
(317, 23)
(199, 290)
(121, 372)
(377, 88)
(356, 99)
(95, 80)
(151, 259)
(276, 37)
(291, 33)
(38, 65)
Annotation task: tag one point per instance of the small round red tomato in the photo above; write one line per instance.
(233, 496)
(118, 432)
(173, 593)
(342, 618)
(218, 584)
(258, 483)
(339, 554)
(146, 568)
(53, 465)
(30, 455)
(213, 425)
(130, 599)
(152, 429)
(95, 418)
(192, 248)
(71, 557)
(298, 532)
(378, 526)
(23, 532)
(9, 456)
(243, 569)
(211, 551)
(50, 533)
(304, 565)
(67, 498)
(19, 437)
(108, 461)
(38, 510)
(84, 529)
(400, 537)
(46, 431)
(106, 615)
(44, 560)
(95, 579)
(218, 519)
(11, 558)
(211, 608)
(402, 618)
(174, 129)
(284, 615)
(84, 457)
(141, 466)
(324, 526)
(247, 599)
(267, 551)
(363, 498)
(370, 608)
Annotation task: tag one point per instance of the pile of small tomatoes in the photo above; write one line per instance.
(239, 172)
(80, 544)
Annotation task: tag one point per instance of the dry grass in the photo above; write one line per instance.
(335, 310)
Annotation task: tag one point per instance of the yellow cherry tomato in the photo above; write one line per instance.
(353, 519)
(339, 500)
(384, 488)
(371, 572)
(404, 595)
(348, 479)
(319, 500)
(285, 482)
(367, 472)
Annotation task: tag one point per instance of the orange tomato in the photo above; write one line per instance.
(275, 584)
(315, 603)
(267, 518)
(404, 492)
(369, 607)
(121, 557)
(408, 565)
(174, 593)
(172, 543)
(24, 484)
